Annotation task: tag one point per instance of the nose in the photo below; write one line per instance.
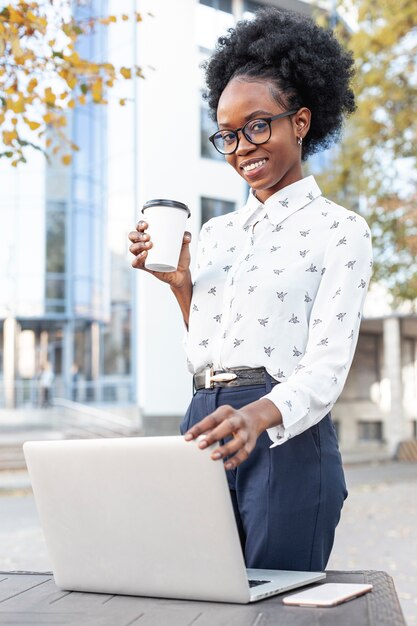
(244, 146)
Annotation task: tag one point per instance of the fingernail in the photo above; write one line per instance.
(188, 437)
(228, 466)
(202, 444)
(216, 455)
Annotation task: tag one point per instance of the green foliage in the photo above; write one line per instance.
(376, 164)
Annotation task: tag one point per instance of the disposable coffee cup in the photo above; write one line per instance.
(166, 225)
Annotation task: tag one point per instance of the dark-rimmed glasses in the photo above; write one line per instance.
(256, 131)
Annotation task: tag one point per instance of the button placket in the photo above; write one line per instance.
(239, 266)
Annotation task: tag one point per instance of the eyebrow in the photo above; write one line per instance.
(251, 116)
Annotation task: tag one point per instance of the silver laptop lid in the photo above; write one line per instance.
(142, 516)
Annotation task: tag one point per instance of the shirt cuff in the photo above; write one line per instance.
(295, 416)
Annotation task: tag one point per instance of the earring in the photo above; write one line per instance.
(299, 141)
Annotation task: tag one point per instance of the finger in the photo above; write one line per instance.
(186, 238)
(209, 422)
(203, 427)
(239, 441)
(238, 458)
(139, 260)
(134, 236)
(141, 225)
(141, 246)
(231, 426)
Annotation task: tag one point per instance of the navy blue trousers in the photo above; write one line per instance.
(287, 500)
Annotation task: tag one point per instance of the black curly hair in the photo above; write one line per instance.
(305, 62)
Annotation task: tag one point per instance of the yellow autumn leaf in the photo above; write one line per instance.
(2, 46)
(71, 104)
(32, 84)
(126, 72)
(16, 49)
(71, 80)
(32, 125)
(122, 102)
(47, 118)
(97, 90)
(66, 159)
(17, 106)
(49, 96)
(9, 136)
(125, 17)
(82, 99)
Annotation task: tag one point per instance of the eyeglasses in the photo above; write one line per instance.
(256, 131)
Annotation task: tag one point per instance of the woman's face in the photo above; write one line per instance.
(278, 161)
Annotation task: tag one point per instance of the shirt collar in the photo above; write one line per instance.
(281, 204)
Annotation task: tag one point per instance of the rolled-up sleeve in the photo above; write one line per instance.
(313, 387)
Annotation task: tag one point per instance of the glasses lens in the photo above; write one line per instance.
(257, 131)
(225, 141)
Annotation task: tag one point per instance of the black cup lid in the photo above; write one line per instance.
(162, 202)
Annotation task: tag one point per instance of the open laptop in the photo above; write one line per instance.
(148, 516)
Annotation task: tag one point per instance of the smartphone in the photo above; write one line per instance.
(327, 594)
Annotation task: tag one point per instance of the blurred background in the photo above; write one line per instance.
(84, 339)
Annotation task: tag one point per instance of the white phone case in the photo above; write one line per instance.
(327, 594)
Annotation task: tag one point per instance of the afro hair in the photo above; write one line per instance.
(306, 64)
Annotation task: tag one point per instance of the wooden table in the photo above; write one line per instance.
(33, 598)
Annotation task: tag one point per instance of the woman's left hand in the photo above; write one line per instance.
(243, 425)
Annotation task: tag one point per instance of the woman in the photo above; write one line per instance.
(274, 312)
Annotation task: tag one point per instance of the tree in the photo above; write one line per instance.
(376, 161)
(42, 76)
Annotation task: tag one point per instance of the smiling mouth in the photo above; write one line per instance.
(254, 165)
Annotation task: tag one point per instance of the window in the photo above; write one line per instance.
(366, 368)
(219, 5)
(250, 7)
(207, 128)
(212, 207)
(370, 431)
(213, 18)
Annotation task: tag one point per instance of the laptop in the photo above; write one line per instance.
(147, 516)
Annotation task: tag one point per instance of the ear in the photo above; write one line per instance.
(301, 122)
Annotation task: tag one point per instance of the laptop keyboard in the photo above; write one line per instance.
(255, 583)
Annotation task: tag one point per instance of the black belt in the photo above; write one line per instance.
(231, 377)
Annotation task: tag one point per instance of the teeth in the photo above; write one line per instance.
(253, 166)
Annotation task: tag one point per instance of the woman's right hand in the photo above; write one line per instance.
(141, 243)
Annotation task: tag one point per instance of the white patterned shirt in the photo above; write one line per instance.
(282, 285)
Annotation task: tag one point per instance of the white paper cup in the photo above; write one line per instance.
(166, 225)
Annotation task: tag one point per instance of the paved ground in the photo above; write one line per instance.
(378, 528)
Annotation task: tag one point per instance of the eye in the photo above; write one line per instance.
(228, 137)
(257, 126)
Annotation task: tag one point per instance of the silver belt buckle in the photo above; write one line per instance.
(221, 377)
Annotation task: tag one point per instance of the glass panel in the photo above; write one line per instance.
(220, 5)
(249, 8)
(55, 237)
(370, 431)
(211, 22)
(364, 374)
(212, 207)
(207, 128)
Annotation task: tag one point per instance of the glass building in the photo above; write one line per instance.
(57, 274)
